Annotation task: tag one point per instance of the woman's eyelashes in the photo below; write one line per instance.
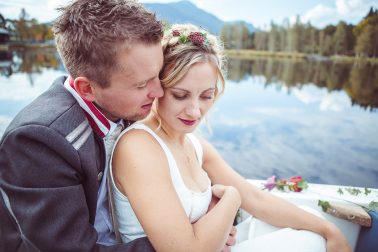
(181, 97)
(207, 97)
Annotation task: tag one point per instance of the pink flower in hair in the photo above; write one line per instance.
(176, 33)
(197, 38)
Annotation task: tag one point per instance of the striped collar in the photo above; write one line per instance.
(99, 123)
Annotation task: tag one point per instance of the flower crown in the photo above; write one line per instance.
(196, 38)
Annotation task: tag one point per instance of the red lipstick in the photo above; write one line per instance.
(188, 122)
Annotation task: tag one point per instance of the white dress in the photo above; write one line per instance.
(253, 234)
(256, 235)
(194, 203)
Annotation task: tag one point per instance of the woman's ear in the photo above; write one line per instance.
(84, 87)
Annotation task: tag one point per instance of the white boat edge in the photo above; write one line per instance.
(308, 200)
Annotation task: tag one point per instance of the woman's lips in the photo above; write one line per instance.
(188, 122)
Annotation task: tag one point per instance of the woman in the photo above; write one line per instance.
(162, 173)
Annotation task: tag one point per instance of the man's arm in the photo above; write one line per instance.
(49, 203)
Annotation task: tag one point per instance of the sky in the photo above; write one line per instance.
(260, 13)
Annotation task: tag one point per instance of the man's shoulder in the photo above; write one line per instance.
(55, 108)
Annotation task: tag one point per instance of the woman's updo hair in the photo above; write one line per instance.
(185, 45)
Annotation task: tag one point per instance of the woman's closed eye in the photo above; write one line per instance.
(179, 96)
(207, 97)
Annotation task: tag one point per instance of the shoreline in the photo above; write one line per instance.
(253, 54)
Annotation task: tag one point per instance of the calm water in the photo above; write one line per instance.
(314, 119)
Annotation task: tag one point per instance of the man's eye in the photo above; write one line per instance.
(142, 86)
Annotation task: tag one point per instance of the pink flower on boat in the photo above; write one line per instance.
(270, 183)
(295, 184)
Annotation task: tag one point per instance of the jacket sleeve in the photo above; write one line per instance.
(46, 203)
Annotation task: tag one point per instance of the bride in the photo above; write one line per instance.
(163, 176)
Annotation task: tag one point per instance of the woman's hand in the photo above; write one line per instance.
(220, 190)
(336, 241)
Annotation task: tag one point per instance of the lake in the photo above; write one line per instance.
(277, 116)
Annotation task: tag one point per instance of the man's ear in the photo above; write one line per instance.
(84, 88)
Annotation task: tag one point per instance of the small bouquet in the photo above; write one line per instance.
(295, 184)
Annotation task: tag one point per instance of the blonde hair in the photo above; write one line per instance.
(180, 54)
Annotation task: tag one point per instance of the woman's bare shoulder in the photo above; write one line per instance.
(137, 137)
(138, 159)
(138, 148)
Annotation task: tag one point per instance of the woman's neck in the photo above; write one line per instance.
(164, 130)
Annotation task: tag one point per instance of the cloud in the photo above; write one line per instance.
(43, 11)
(350, 11)
(308, 95)
(334, 101)
(18, 85)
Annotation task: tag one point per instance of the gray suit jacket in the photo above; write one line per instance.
(50, 161)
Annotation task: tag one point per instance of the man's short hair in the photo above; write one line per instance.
(90, 33)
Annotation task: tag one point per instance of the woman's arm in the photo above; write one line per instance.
(141, 172)
(264, 205)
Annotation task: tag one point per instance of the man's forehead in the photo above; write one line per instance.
(140, 63)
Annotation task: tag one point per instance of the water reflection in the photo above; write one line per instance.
(359, 80)
(6, 63)
(30, 62)
(260, 131)
(24, 75)
(283, 117)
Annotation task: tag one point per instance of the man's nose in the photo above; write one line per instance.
(156, 89)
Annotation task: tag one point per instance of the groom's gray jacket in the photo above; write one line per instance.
(50, 168)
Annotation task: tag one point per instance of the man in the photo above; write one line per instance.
(53, 155)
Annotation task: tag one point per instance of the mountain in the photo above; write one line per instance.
(187, 12)
(249, 26)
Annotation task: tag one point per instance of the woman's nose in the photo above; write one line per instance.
(194, 110)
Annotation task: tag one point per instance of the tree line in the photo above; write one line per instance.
(359, 81)
(26, 29)
(342, 39)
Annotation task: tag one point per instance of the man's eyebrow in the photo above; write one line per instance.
(144, 81)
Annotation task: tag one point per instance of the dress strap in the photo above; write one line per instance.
(197, 147)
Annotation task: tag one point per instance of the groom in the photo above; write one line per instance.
(53, 155)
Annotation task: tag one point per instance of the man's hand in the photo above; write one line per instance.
(213, 202)
(231, 240)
